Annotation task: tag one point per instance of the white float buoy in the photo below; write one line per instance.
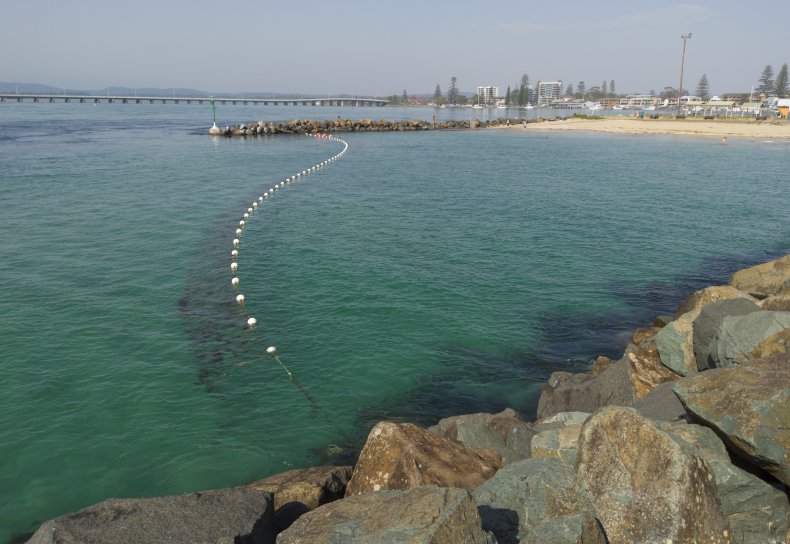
(250, 209)
(238, 232)
(234, 267)
(234, 282)
(241, 223)
(234, 253)
(246, 215)
(240, 299)
(235, 242)
(271, 350)
(260, 198)
(255, 204)
(251, 322)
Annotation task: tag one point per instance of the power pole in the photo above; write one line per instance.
(685, 38)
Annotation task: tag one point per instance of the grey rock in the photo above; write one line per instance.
(567, 392)
(424, 515)
(527, 493)
(675, 344)
(562, 419)
(707, 324)
(749, 408)
(505, 433)
(755, 510)
(581, 528)
(223, 516)
(661, 404)
(738, 336)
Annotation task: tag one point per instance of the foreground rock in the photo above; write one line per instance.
(226, 516)
(538, 496)
(749, 408)
(739, 336)
(424, 515)
(403, 456)
(296, 492)
(505, 433)
(755, 510)
(708, 324)
(643, 486)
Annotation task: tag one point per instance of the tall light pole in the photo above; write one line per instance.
(685, 38)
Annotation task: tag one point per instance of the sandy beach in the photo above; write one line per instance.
(716, 128)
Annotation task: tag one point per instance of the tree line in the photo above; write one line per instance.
(523, 93)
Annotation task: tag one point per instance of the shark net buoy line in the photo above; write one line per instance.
(256, 207)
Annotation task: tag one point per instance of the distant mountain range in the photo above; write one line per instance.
(37, 88)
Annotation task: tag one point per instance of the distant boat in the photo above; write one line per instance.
(529, 107)
(477, 107)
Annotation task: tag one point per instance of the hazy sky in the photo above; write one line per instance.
(381, 48)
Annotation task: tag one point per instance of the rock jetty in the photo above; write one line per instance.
(311, 126)
(685, 439)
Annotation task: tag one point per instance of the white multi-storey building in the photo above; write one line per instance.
(548, 91)
(487, 95)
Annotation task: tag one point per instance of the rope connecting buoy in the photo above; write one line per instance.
(271, 351)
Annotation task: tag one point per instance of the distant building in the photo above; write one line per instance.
(548, 91)
(638, 101)
(488, 95)
(736, 97)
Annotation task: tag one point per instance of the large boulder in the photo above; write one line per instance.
(403, 455)
(525, 495)
(567, 392)
(755, 510)
(706, 325)
(505, 433)
(425, 515)
(749, 408)
(223, 516)
(738, 336)
(709, 295)
(764, 279)
(644, 487)
(301, 490)
(675, 344)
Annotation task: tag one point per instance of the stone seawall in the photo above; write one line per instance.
(308, 126)
(685, 439)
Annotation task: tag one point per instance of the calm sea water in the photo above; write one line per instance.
(422, 275)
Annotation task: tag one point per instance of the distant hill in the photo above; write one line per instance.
(37, 88)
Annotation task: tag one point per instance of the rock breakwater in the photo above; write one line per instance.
(685, 439)
(311, 126)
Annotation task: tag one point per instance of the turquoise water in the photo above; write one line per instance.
(422, 275)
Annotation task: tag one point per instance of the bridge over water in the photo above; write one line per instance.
(328, 101)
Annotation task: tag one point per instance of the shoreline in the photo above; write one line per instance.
(722, 129)
(711, 128)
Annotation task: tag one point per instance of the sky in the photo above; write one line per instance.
(378, 48)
